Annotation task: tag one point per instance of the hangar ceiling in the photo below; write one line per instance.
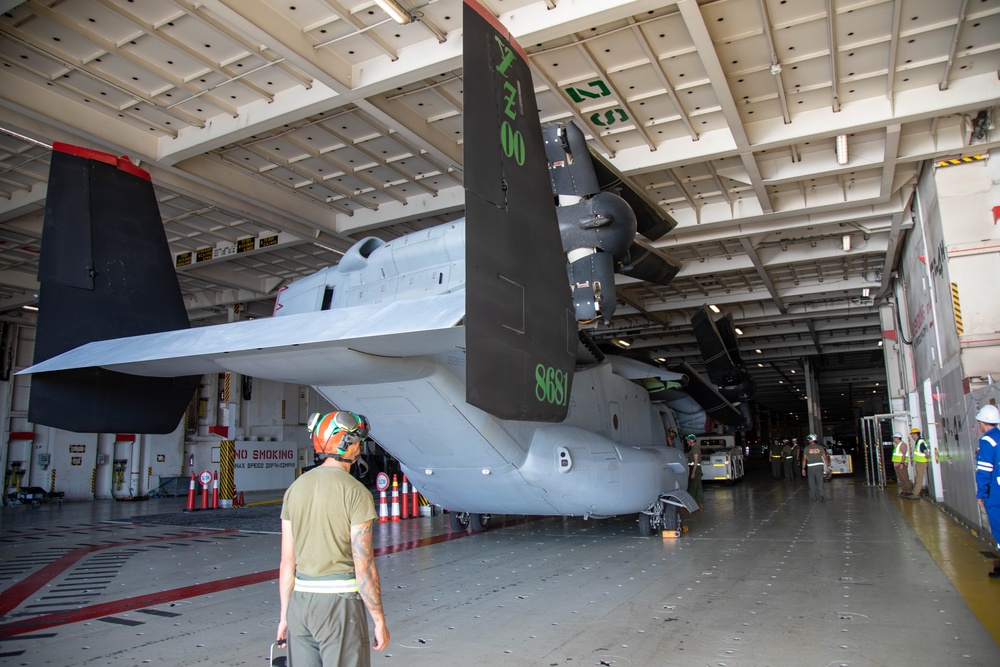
(315, 123)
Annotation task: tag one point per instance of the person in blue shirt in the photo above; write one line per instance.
(988, 473)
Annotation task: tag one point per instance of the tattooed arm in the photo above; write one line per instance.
(368, 583)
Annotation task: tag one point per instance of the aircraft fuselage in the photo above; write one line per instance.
(607, 457)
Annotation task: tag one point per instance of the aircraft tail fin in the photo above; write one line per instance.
(105, 272)
(718, 362)
(521, 331)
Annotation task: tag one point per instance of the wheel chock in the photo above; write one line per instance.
(673, 534)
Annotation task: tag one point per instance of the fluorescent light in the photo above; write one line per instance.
(865, 292)
(847, 242)
(758, 352)
(715, 309)
(30, 307)
(739, 332)
(841, 149)
(398, 13)
(620, 342)
(760, 365)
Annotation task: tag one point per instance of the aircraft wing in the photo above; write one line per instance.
(292, 348)
(637, 370)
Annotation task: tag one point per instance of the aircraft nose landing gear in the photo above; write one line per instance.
(477, 523)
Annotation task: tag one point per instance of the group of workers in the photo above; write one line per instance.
(902, 454)
(791, 460)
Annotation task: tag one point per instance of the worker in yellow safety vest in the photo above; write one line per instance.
(920, 453)
(900, 463)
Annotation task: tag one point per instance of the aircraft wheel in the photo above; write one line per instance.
(479, 522)
(645, 524)
(669, 520)
(459, 521)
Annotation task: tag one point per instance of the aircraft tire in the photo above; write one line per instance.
(645, 524)
(459, 521)
(669, 520)
(479, 522)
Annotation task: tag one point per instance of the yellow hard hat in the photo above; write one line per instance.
(914, 430)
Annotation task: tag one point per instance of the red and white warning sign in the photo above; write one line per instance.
(382, 481)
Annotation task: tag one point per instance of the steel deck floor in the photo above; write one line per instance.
(763, 577)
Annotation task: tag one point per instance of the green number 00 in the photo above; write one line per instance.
(512, 142)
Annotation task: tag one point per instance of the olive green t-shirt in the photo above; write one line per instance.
(322, 505)
(814, 453)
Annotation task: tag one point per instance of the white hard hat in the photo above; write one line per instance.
(988, 414)
(898, 435)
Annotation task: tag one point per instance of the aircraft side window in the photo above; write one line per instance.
(327, 298)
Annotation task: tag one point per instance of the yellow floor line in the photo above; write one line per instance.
(959, 555)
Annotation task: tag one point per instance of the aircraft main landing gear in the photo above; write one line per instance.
(659, 517)
(477, 523)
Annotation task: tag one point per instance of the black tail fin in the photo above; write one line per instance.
(105, 272)
(521, 332)
(714, 351)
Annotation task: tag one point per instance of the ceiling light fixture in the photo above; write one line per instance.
(620, 342)
(739, 332)
(398, 13)
(841, 149)
(715, 309)
(866, 292)
(847, 242)
(30, 307)
(758, 352)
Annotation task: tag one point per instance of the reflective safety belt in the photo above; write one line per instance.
(817, 463)
(326, 585)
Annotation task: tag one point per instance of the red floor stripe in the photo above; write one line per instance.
(22, 590)
(138, 602)
(141, 601)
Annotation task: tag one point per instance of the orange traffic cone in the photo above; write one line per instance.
(394, 516)
(406, 500)
(190, 505)
(215, 490)
(383, 508)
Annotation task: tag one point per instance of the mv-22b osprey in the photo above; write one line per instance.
(462, 344)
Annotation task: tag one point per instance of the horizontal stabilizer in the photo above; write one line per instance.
(293, 348)
(708, 397)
